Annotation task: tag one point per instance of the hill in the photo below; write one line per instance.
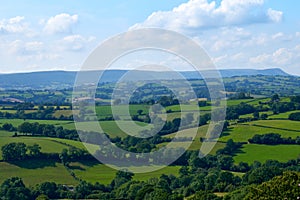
(65, 79)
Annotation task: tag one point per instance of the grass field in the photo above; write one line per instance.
(17, 122)
(196, 144)
(279, 124)
(94, 172)
(34, 172)
(243, 132)
(254, 152)
(283, 115)
(47, 146)
(109, 127)
(120, 109)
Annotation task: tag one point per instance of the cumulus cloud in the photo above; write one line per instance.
(19, 47)
(200, 14)
(61, 23)
(75, 42)
(13, 25)
(280, 57)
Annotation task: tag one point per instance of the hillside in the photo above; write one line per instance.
(65, 79)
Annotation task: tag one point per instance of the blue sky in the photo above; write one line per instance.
(59, 34)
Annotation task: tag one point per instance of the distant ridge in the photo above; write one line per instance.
(63, 79)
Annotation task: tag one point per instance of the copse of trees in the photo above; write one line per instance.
(273, 139)
(8, 127)
(233, 112)
(230, 148)
(241, 95)
(17, 151)
(295, 116)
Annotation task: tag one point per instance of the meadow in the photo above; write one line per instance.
(34, 172)
(243, 132)
(94, 172)
(254, 152)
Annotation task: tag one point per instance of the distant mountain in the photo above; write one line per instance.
(64, 79)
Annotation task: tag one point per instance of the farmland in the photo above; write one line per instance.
(252, 152)
(54, 152)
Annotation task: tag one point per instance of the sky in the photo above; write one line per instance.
(60, 34)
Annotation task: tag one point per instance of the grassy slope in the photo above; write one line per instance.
(243, 132)
(251, 152)
(94, 172)
(33, 173)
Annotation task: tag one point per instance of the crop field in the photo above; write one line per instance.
(254, 152)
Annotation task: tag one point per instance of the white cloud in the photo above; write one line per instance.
(19, 47)
(75, 42)
(274, 15)
(197, 14)
(277, 36)
(13, 25)
(279, 58)
(61, 23)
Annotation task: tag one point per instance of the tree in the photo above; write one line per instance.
(204, 195)
(47, 188)
(264, 116)
(34, 150)
(121, 178)
(139, 112)
(14, 151)
(8, 127)
(14, 188)
(25, 127)
(225, 162)
(256, 115)
(280, 187)
(275, 98)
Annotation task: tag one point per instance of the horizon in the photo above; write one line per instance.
(76, 71)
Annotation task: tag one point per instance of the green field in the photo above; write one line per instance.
(17, 122)
(243, 132)
(34, 172)
(120, 109)
(109, 127)
(279, 124)
(196, 144)
(254, 152)
(283, 115)
(95, 172)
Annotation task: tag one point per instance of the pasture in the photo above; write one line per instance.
(254, 152)
(34, 172)
(243, 132)
(94, 172)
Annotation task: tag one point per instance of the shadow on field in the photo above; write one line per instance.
(34, 164)
(76, 167)
(90, 163)
(227, 132)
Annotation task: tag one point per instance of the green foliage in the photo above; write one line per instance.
(14, 188)
(280, 187)
(14, 151)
